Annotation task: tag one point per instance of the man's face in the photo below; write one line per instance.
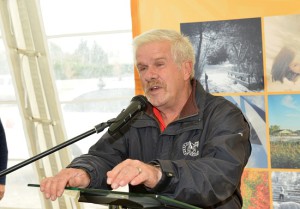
(161, 78)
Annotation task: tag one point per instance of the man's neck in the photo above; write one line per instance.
(171, 114)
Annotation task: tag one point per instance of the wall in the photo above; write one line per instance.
(240, 41)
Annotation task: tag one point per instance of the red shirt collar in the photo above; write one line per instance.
(159, 118)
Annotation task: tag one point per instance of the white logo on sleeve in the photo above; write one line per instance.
(190, 148)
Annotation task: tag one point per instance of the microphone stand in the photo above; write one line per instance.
(97, 129)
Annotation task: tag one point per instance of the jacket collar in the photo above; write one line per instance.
(190, 107)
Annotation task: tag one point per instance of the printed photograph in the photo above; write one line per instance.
(282, 41)
(284, 130)
(286, 190)
(255, 189)
(253, 107)
(228, 54)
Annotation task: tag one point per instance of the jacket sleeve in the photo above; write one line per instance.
(99, 159)
(215, 176)
(3, 153)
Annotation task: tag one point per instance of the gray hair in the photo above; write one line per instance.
(181, 47)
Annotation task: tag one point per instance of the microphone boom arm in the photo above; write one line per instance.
(97, 129)
(137, 104)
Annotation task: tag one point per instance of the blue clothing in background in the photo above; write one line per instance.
(3, 153)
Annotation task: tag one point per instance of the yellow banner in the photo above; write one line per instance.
(272, 109)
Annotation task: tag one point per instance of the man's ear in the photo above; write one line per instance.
(187, 68)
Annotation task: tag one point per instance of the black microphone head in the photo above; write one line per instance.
(137, 104)
(142, 100)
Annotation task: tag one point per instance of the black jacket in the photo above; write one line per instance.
(202, 154)
(3, 153)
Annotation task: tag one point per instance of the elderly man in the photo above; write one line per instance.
(188, 144)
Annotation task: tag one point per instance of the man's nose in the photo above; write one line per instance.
(151, 73)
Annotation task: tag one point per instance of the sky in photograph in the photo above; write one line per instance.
(284, 111)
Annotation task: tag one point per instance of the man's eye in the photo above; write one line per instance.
(141, 68)
(160, 64)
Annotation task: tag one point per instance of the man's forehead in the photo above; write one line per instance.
(151, 60)
(152, 49)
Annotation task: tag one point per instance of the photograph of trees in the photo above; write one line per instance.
(228, 54)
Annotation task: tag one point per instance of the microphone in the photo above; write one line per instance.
(137, 104)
